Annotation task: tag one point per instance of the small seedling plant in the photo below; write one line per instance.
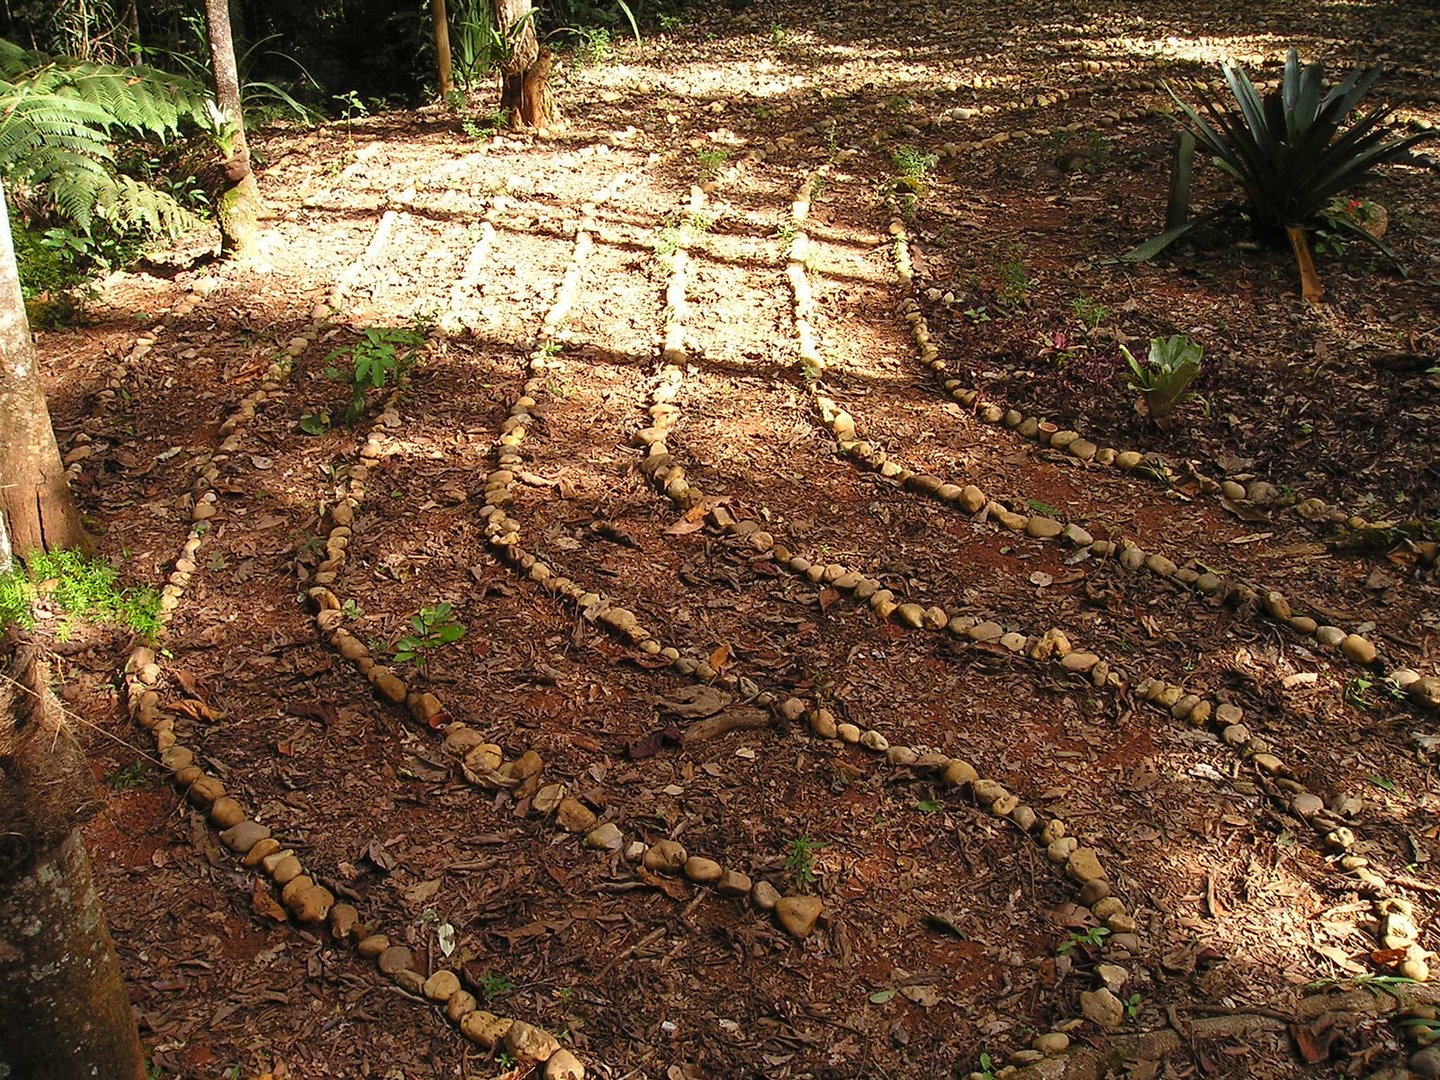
(382, 357)
(433, 628)
(800, 862)
(1090, 939)
(1162, 381)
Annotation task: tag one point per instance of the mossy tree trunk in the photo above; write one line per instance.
(66, 1011)
(525, 78)
(36, 506)
(237, 201)
(440, 28)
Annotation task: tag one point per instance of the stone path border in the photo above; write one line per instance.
(307, 901)
(1421, 691)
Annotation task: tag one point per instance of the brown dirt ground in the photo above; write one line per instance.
(1239, 907)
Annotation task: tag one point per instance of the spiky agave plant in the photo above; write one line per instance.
(1291, 149)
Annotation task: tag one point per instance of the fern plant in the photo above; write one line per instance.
(58, 117)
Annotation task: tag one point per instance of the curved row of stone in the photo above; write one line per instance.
(1397, 929)
(1423, 691)
(301, 895)
(1081, 864)
(123, 373)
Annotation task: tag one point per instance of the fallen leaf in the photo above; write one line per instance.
(1040, 579)
(265, 905)
(418, 894)
(927, 997)
(684, 527)
(882, 997)
(671, 887)
(694, 702)
(648, 745)
(720, 658)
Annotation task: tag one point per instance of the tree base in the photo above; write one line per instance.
(527, 97)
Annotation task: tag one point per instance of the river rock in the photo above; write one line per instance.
(958, 773)
(764, 896)
(703, 871)
(563, 1065)
(1425, 692)
(574, 816)
(344, 921)
(372, 946)
(460, 1005)
(733, 883)
(395, 958)
(666, 856)
(244, 836)
(606, 836)
(1358, 649)
(798, 914)
(530, 1044)
(441, 986)
(1085, 866)
(1103, 1008)
(484, 1028)
(822, 723)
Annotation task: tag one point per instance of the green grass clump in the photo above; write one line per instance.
(80, 588)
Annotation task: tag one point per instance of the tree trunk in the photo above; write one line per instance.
(1310, 285)
(66, 1011)
(35, 501)
(237, 205)
(440, 25)
(525, 85)
(528, 97)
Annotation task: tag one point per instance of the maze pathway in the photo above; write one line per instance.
(762, 752)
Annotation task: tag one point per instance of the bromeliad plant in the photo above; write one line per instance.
(1291, 150)
(1163, 380)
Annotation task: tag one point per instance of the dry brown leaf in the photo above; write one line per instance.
(265, 905)
(720, 658)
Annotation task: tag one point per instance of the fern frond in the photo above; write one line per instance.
(57, 118)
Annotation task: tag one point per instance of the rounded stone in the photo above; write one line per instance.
(606, 836)
(563, 1065)
(226, 813)
(244, 836)
(703, 871)
(1358, 649)
(822, 723)
(395, 958)
(958, 773)
(441, 986)
(798, 914)
(313, 905)
(372, 946)
(286, 869)
(733, 883)
(460, 1005)
(764, 896)
(848, 733)
(1052, 1042)
(665, 856)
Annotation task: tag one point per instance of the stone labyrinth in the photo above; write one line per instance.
(794, 730)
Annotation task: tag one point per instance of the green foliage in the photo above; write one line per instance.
(261, 99)
(1173, 363)
(77, 587)
(1091, 315)
(481, 128)
(1014, 282)
(711, 162)
(58, 120)
(800, 862)
(1090, 939)
(912, 164)
(493, 986)
(433, 628)
(1291, 150)
(381, 357)
(126, 778)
